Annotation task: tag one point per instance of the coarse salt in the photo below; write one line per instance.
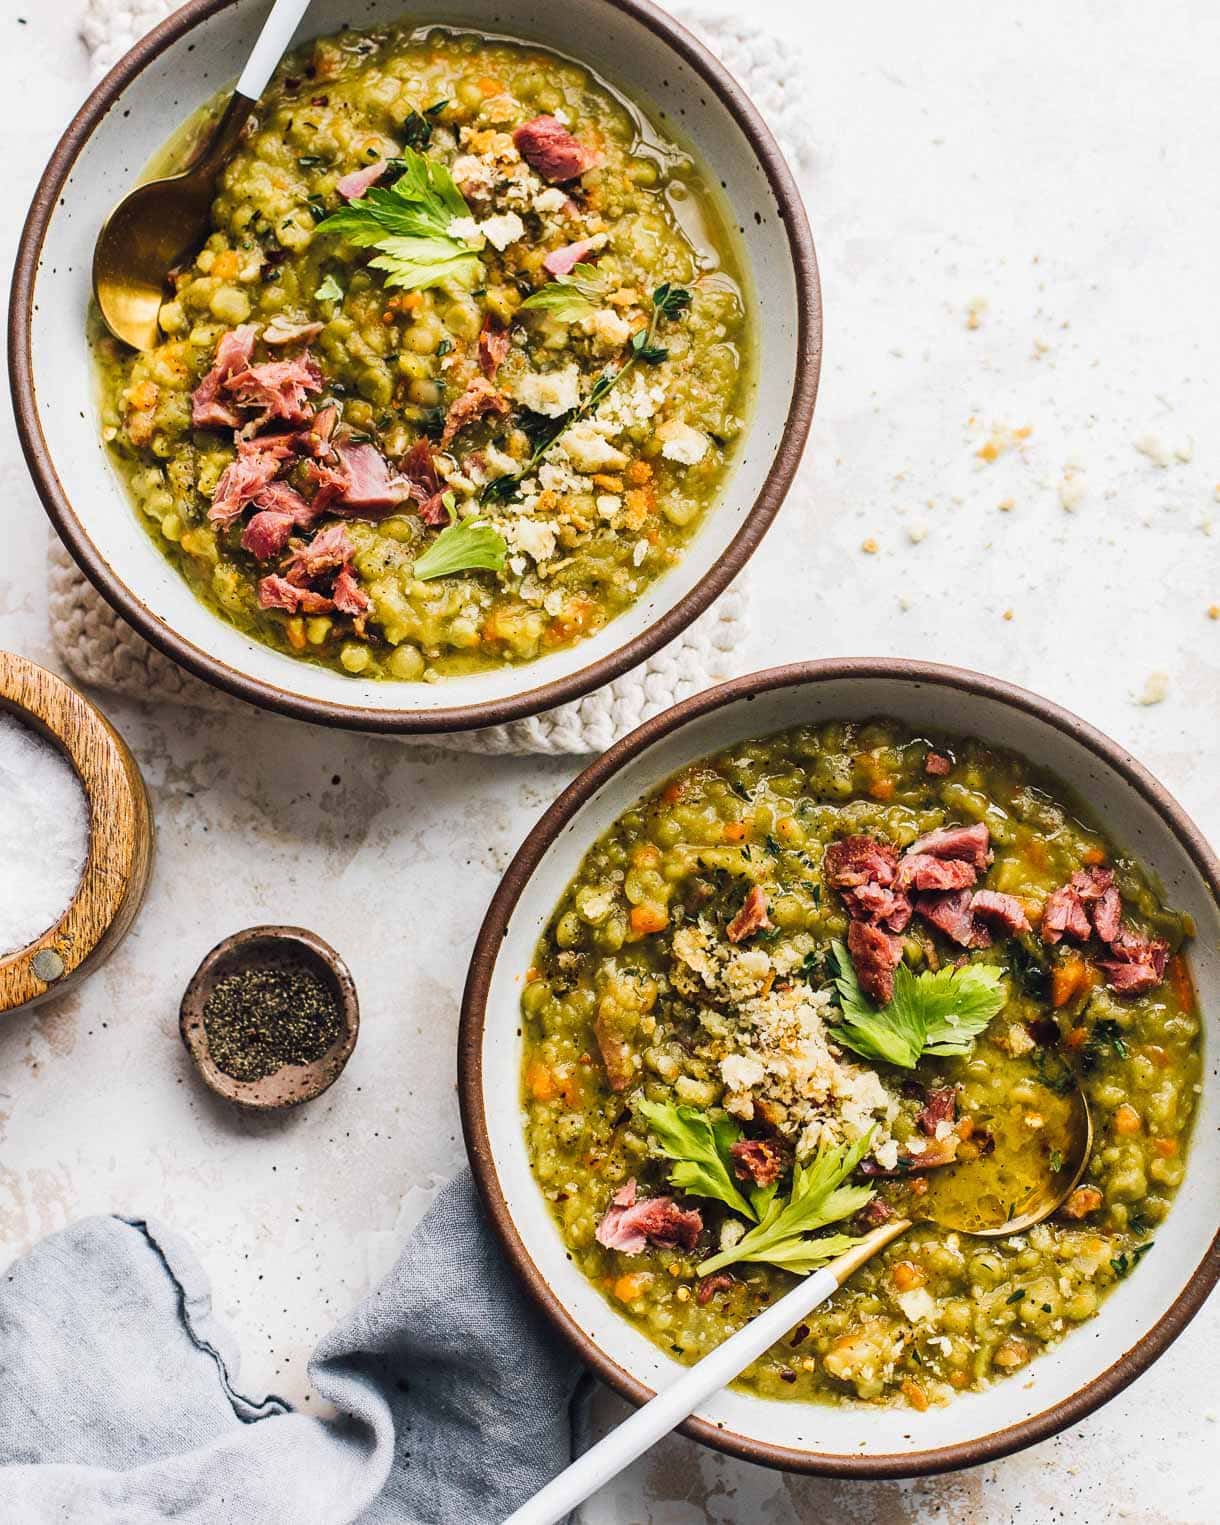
(44, 834)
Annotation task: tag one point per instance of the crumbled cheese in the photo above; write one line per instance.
(502, 230)
(499, 109)
(608, 329)
(640, 552)
(550, 200)
(1155, 448)
(534, 537)
(732, 1232)
(740, 1073)
(608, 504)
(630, 405)
(943, 1129)
(497, 462)
(1072, 488)
(681, 443)
(917, 1305)
(464, 228)
(589, 451)
(551, 393)
(1016, 1041)
(886, 1154)
(474, 175)
(561, 115)
(1156, 689)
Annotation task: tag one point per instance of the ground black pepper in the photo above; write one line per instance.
(259, 1019)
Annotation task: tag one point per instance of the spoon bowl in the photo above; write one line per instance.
(1009, 1191)
(153, 229)
(161, 221)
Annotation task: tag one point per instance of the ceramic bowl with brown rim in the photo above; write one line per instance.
(1139, 1318)
(135, 110)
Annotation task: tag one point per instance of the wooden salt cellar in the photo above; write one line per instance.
(120, 836)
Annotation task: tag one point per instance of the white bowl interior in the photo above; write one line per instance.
(188, 73)
(1136, 1304)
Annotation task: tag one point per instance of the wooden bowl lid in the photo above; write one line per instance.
(119, 856)
(264, 947)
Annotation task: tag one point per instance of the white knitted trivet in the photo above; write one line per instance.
(102, 649)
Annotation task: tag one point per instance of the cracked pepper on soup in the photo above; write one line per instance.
(839, 974)
(457, 372)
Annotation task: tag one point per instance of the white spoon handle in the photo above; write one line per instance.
(271, 46)
(673, 1404)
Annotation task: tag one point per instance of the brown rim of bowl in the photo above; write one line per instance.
(470, 1066)
(456, 717)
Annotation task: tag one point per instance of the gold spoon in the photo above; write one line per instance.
(161, 221)
(676, 1402)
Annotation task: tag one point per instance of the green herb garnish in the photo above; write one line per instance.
(568, 298)
(1015, 1297)
(466, 545)
(408, 224)
(329, 291)
(1123, 1264)
(417, 129)
(667, 302)
(937, 1012)
(1105, 1034)
(818, 1198)
(1054, 1072)
(700, 1151)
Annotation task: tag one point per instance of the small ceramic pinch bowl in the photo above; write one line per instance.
(119, 856)
(271, 947)
(179, 66)
(1138, 1320)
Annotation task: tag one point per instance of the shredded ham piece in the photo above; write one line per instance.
(631, 1225)
(276, 592)
(751, 918)
(420, 473)
(921, 871)
(278, 387)
(564, 261)
(972, 844)
(354, 184)
(548, 147)
(326, 552)
(368, 490)
(258, 463)
(875, 955)
(349, 596)
(267, 533)
(282, 330)
(952, 915)
(208, 409)
(493, 348)
(760, 1160)
(480, 397)
(1003, 911)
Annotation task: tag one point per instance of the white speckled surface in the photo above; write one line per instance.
(1055, 164)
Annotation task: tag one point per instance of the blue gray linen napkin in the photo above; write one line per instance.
(117, 1407)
